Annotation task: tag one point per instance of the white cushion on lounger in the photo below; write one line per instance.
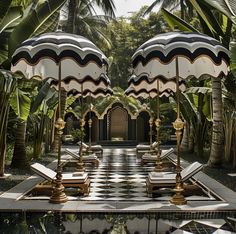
(75, 155)
(49, 174)
(186, 173)
(164, 153)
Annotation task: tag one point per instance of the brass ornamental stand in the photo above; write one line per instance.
(90, 128)
(178, 198)
(80, 164)
(90, 131)
(158, 166)
(58, 195)
(150, 133)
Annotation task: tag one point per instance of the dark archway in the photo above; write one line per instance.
(143, 127)
(94, 128)
(118, 123)
(71, 123)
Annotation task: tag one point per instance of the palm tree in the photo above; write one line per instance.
(217, 141)
(185, 6)
(80, 18)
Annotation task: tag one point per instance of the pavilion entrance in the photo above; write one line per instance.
(118, 121)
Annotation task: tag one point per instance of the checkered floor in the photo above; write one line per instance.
(121, 177)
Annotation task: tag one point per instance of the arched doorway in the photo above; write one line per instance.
(118, 123)
(143, 127)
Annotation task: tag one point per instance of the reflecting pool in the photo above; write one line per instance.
(115, 223)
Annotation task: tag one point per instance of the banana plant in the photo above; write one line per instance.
(7, 86)
(20, 103)
(41, 113)
(26, 102)
(196, 110)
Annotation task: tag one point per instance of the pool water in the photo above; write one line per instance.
(113, 223)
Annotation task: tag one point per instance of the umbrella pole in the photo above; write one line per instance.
(150, 128)
(58, 195)
(158, 166)
(80, 164)
(90, 127)
(150, 132)
(178, 198)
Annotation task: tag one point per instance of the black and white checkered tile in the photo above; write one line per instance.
(119, 177)
(211, 226)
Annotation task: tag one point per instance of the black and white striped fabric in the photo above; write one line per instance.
(80, 60)
(144, 87)
(87, 87)
(197, 55)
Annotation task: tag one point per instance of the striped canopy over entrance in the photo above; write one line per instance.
(75, 59)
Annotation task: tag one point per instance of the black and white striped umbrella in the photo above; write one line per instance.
(80, 61)
(197, 55)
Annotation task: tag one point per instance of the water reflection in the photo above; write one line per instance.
(110, 223)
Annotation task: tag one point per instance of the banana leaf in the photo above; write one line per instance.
(174, 21)
(225, 6)
(233, 58)
(7, 24)
(20, 103)
(32, 22)
(50, 25)
(7, 87)
(13, 14)
(4, 6)
(201, 13)
(42, 94)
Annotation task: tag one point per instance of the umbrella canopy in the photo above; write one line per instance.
(144, 87)
(87, 87)
(197, 55)
(80, 61)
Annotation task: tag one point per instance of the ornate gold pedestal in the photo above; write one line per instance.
(178, 198)
(58, 195)
(150, 133)
(158, 166)
(80, 164)
(90, 136)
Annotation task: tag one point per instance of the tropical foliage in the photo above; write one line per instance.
(35, 106)
(7, 87)
(216, 19)
(80, 17)
(126, 37)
